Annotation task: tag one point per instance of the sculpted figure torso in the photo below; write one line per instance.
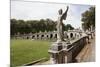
(60, 25)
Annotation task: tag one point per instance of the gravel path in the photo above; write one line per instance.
(90, 55)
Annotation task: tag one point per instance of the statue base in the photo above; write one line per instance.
(59, 52)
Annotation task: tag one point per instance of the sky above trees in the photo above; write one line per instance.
(39, 10)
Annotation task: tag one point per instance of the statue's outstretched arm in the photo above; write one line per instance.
(65, 14)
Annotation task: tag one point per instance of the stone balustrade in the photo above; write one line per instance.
(50, 35)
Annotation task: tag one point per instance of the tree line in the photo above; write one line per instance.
(34, 26)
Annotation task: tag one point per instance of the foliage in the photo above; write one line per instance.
(88, 18)
(33, 26)
(68, 27)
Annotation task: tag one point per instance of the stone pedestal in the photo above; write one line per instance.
(55, 50)
(59, 53)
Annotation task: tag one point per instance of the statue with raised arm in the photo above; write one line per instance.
(60, 25)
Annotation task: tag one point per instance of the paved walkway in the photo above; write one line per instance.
(90, 54)
(87, 54)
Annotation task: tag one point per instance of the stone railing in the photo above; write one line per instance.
(64, 52)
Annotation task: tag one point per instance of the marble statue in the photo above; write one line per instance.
(60, 26)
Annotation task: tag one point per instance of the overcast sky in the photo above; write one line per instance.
(40, 10)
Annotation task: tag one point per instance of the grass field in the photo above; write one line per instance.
(25, 51)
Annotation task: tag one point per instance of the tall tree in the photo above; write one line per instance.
(88, 18)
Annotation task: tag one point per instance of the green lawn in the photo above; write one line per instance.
(25, 51)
